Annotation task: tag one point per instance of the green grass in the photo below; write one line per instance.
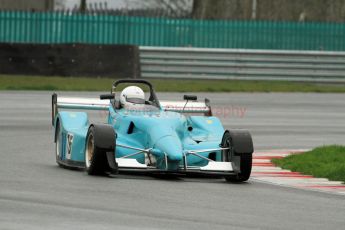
(326, 162)
(168, 85)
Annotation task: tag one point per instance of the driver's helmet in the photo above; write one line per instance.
(132, 95)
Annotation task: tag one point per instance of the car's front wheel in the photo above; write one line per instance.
(239, 153)
(99, 150)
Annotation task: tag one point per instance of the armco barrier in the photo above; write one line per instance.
(199, 63)
(120, 61)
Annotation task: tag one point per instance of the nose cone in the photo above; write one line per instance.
(163, 136)
(171, 145)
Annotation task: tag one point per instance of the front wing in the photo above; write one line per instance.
(126, 164)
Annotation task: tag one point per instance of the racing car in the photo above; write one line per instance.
(142, 134)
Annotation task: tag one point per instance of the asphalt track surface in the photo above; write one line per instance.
(36, 194)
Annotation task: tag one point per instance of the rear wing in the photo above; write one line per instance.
(97, 104)
(77, 103)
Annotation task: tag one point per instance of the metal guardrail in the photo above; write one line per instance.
(201, 63)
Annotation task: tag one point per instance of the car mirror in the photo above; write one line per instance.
(190, 97)
(106, 96)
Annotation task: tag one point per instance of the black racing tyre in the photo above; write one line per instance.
(96, 162)
(244, 159)
(58, 137)
(246, 168)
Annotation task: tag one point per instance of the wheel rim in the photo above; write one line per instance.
(89, 151)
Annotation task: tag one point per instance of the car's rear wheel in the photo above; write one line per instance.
(58, 144)
(241, 160)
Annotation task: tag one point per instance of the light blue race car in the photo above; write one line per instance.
(143, 134)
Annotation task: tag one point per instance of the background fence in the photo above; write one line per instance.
(198, 63)
(64, 27)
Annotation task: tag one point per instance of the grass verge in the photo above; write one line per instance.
(326, 162)
(167, 85)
